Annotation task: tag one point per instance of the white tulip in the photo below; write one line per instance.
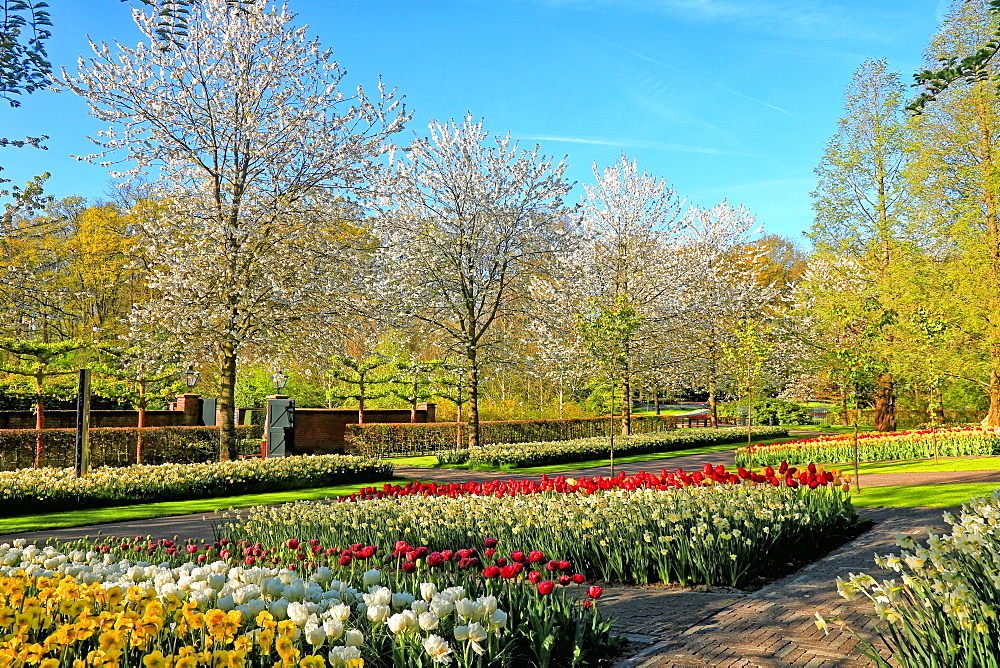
(438, 648)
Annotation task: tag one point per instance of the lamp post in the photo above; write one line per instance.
(191, 376)
(278, 379)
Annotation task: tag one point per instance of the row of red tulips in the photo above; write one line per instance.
(811, 476)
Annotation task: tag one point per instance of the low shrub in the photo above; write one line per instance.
(452, 457)
(769, 411)
(55, 489)
(380, 440)
(875, 447)
(559, 452)
(116, 446)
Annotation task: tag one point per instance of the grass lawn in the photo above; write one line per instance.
(925, 465)
(946, 464)
(146, 511)
(925, 496)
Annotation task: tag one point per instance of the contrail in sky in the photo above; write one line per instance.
(705, 81)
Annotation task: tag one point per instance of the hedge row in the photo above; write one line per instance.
(116, 446)
(56, 489)
(556, 452)
(381, 440)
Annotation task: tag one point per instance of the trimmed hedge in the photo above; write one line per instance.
(556, 452)
(115, 446)
(428, 437)
(57, 489)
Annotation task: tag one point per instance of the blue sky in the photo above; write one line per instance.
(722, 98)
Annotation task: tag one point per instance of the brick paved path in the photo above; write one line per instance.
(774, 626)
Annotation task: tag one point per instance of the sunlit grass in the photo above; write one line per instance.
(944, 465)
(146, 511)
(920, 496)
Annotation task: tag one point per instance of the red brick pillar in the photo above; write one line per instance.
(190, 405)
(430, 411)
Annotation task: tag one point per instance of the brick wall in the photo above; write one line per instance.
(67, 419)
(321, 430)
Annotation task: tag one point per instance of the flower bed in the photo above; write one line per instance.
(58, 607)
(944, 611)
(116, 446)
(711, 533)
(875, 447)
(811, 476)
(582, 449)
(50, 489)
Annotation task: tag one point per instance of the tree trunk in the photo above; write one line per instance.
(656, 400)
(458, 419)
(845, 419)
(413, 402)
(471, 354)
(939, 407)
(626, 406)
(361, 399)
(885, 404)
(713, 404)
(992, 419)
(142, 422)
(39, 421)
(562, 403)
(227, 402)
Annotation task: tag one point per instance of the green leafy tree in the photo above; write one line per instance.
(609, 333)
(861, 198)
(956, 172)
(361, 379)
(38, 364)
(748, 353)
(412, 382)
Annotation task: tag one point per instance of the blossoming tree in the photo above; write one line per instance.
(254, 140)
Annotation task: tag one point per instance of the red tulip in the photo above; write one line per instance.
(564, 579)
(408, 567)
(593, 591)
(545, 588)
(491, 572)
(518, 556)
(344, 560)
(508, 572)
(292, 544)
(534, 576)
(490, 542)
(579, 578)
(536, 556)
